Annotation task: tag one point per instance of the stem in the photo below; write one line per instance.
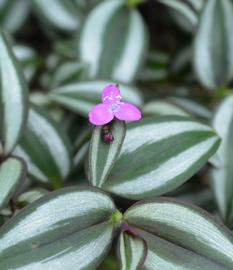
(134, 3)
(116, 217)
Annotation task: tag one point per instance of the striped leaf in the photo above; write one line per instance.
(181, 236)
(81, 97)
(13, 111)
(45, 148)
(184, 13)
(59, 14)
(132, 252)
(13, 14)
(158, 155)
(162, 107)
(110, 50)
(102, 155)
(28, 59)
(69, 72)
(213, 46)
(67, 229)
(11, 173)
(31, 195)
(192, 107)
(222, 175)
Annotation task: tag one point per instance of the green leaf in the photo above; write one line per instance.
(60, 14)
(69, 72)
(192, 107)
(162, 107)
(67, 229)
(176, 106)
(31, 196)
(110, 50)
(45, 148)
(184, 13)
(158, 155)
(13, 97)
(13, 14)
(102, 155)
(81, 97)
(132, 252)
(181, 236)
(213, 46)
(222, 175)
(28, 59)
(12, 171)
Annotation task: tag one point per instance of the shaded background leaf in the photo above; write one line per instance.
(45, 148)
(13, 97)
(222, 173)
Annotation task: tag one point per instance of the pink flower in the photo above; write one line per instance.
(111, 107)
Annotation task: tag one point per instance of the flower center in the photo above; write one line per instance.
(112, 98)
(114, 107)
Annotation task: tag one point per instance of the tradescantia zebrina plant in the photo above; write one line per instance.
(109, 148)
(75, 226)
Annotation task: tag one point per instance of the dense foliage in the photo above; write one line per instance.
(151, 194)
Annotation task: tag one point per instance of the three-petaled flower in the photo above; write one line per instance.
(111, 107)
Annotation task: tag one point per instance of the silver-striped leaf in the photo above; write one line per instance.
(185, 13)
(81, 97)
(13, 14)
(13, 97)
(12, 171)
(132, 251)
(160, 154)
(176, 106)
(213, 46)
(28, 59)
(110, 50)
(191, 107)
(67, 229)
(103, 155)
(45, 148)
(60, 14)
(222, 173)
(69, 72)
(181, 236)
(31, 195)
(162, 107)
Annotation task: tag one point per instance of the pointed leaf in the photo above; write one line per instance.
(181, 236)
(69, 72)
(213, 46)
(162, 107)
(13, 14)
(59, 14)
(158, 155)
(81, 97)
(184, 11)
(132, 252)
(13, 97)
(67, 229)
(222, 174)
(110, 50)
(45, 148)
(192, 107)
(102, 155)
(11, 173)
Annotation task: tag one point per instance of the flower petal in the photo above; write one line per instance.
(128, 112)
(111, 94)
(100, 115)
